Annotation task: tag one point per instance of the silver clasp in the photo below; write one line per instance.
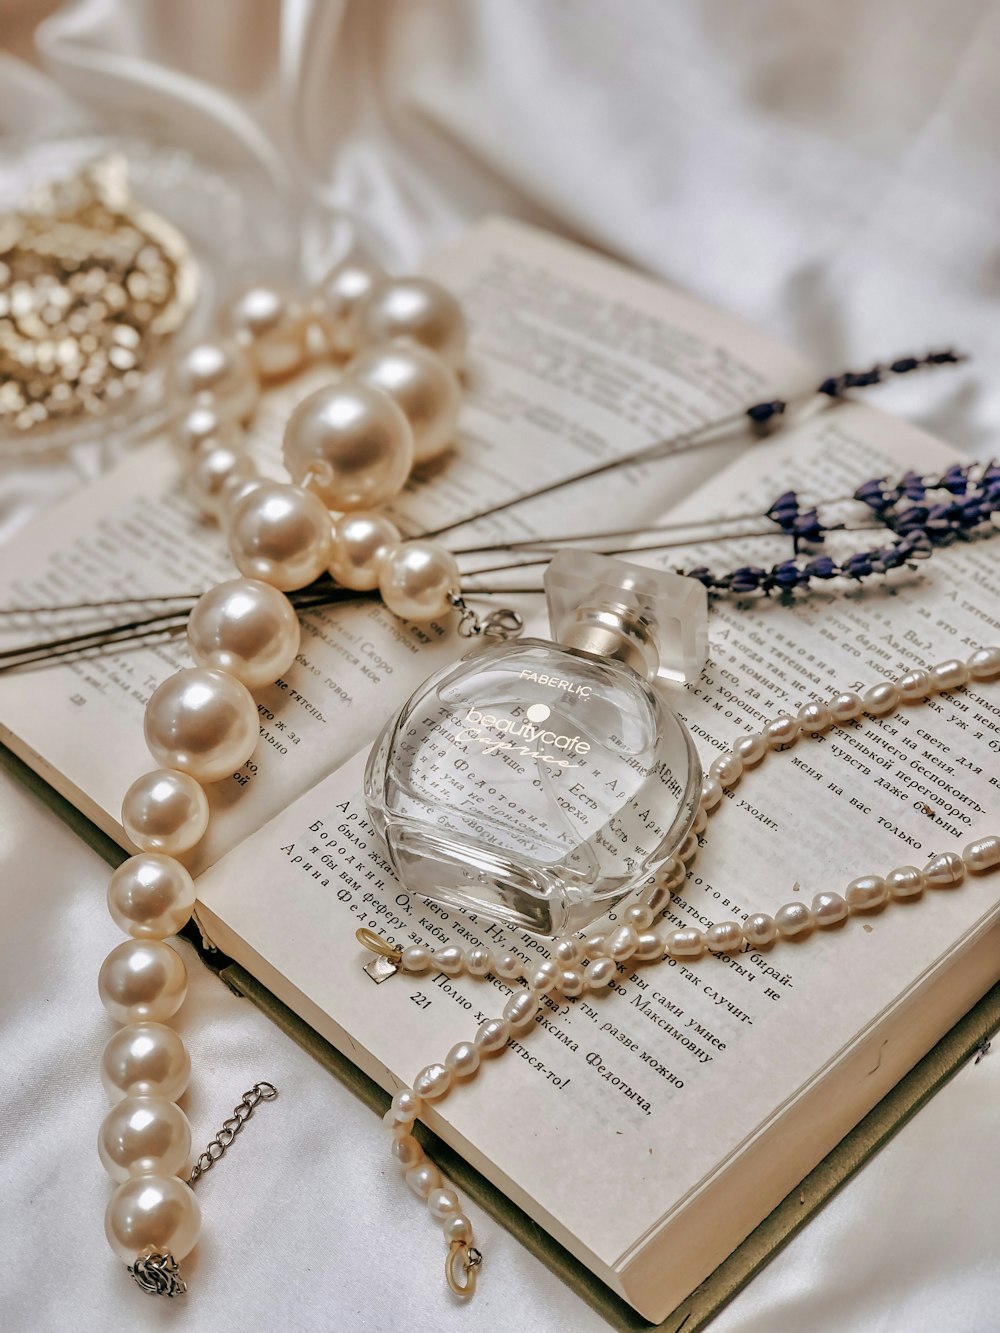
(504, 623)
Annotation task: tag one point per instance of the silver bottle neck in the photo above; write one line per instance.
(615, 631)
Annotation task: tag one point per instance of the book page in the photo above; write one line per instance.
(573, 360)
(612, 1114)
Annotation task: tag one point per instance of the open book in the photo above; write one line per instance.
(651, 1128)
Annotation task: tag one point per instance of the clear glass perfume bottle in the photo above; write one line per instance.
(540, 783)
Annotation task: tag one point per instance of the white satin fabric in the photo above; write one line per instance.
(828, 171)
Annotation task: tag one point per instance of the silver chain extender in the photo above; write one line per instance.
(158, 1274)
(260, 1092)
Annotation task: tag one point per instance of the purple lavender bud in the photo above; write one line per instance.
(703, 574)
(787, 500)
(874, 494)
(787, 575)
(912, 486)
(784, 511)
(822, 567)
(746, 579)
(761, 413)
(916, 546)
(955, 480)
(808, 528)
(971, 512)
(909, 520)
(857, 566)
(831, 387)
(862, 379)
(946, 358)
(904, 365)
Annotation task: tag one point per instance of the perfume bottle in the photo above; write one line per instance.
(539, 783)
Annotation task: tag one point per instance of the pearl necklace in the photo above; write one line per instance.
(349, 448)
(589, 963)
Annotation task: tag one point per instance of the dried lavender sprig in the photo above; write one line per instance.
(835, 386)
(975, 498)
(980, 499)
(763, 416)
(787, 575)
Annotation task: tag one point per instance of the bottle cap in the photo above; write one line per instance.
(655, 622)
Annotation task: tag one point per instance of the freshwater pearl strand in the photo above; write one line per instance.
(590, 963)
(349, 448)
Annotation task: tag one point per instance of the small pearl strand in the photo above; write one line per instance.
(350, 447)
(588, 964)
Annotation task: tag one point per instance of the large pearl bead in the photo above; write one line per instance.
(192, 429)
(416, 578)
(846, 706)
(520, 1010)
(354, 442)
(433, 1082)
(944, 870)
(493, 1035)
(214, 471)
(982, 855)
(867, 893)
(165, 811)
(813, 717)
(723, 937)
(600, 973)
(984, 664)
(829, 909)
(950, 675)
(781, 731)
(338, 299)
(417, 309)
(152, 1215)
(622, 942)
(463, 1059)
(142, 980)
(203, 722)
(145, 1060)
(215, 374)
(144, 1136)
(760, 930)
(151, 896)
(423, 1178)
(360, 544)
(246, 628)
(280, 535)
(422, 385)
(726, 770)
(272, 327)
(686, 943)
(794, 919)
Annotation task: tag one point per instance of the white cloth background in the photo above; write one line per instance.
(832, 173)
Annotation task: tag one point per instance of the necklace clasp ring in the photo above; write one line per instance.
(460, 1267)
(378, 945)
